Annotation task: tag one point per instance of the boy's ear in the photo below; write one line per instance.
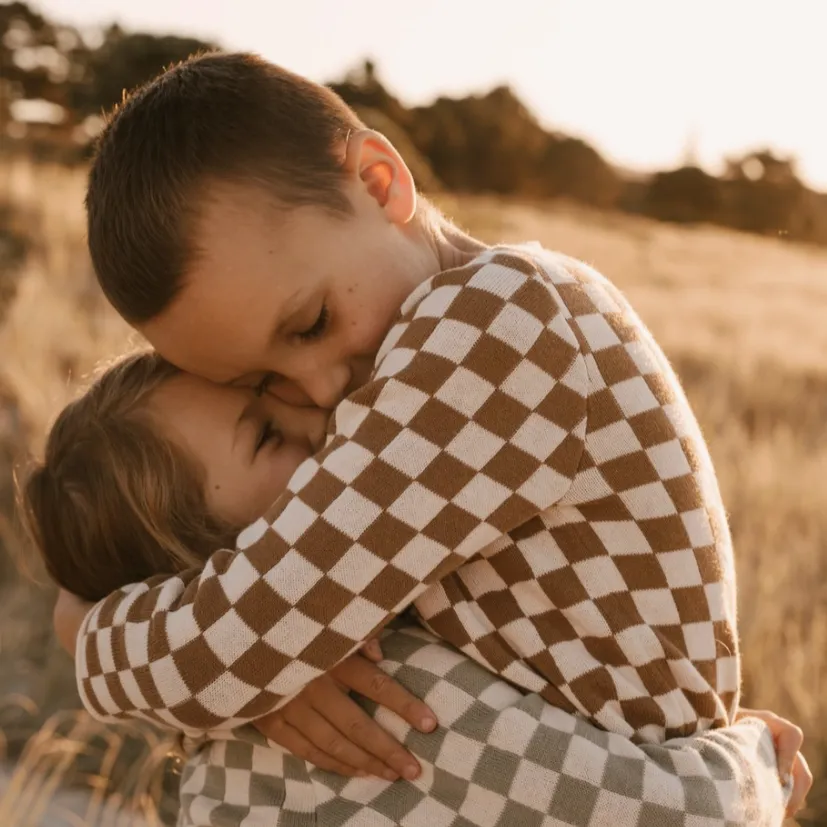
(375, 161)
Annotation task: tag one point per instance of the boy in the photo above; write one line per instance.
(514, 455)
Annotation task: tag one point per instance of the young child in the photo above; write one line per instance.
(150, 466)
(514, 455)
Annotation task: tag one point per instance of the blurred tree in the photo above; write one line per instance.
(571, 168)
(480, 143)
(762, 165)
(37, 59)
(765, 195)
(687, 194)
(124, 61)
(362, 88)
(53, 64)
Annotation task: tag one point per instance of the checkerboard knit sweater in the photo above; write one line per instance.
(499, 758)
(524, 468)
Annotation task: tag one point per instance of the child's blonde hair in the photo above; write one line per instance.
(113, 502)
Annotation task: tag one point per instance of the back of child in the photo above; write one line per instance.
(618, 603)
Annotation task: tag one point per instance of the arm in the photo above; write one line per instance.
(323, 724)
(719, 778)
(582, 779)
(473, 424)
(524, 751)
(503, 757)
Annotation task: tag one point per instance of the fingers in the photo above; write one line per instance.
(792, 765)
(321, 734)
(372, 650)
(787, 737)
(788, 742)
(360, 729)
(333, 727)
(276, 728)
(802, 782)
(331, 724)
(361, 676)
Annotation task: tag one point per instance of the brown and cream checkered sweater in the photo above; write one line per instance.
(524, 468)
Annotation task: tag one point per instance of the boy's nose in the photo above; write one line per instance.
(289, 392)
(327, 388)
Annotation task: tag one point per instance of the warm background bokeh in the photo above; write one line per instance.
(741, 316)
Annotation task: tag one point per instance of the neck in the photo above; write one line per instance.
(451, 246)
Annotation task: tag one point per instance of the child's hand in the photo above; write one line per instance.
(788, 739)
(326, 727)
(372, 650)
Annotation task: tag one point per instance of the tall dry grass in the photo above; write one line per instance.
(742, 318)
(57, 766)
(74, 771)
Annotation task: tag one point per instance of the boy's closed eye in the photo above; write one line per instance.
(318, 327)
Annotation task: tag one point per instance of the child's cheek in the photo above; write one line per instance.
(285, 461)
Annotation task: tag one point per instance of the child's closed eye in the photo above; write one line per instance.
(261, 388)
(266, 434)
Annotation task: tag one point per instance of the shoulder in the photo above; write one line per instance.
(515, 259)
(546, 284)
(517, 274)
(506, 297)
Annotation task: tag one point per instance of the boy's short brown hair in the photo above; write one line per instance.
(216, 116)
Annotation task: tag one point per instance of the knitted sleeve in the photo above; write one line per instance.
(472, 424)
(498, 757)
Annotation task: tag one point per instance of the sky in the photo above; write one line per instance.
(649, 82)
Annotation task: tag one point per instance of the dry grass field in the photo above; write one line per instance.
(743, 319)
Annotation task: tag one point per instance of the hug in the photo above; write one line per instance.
(367, 452)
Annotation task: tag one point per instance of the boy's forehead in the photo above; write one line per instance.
(211, 340)
(244, 237)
